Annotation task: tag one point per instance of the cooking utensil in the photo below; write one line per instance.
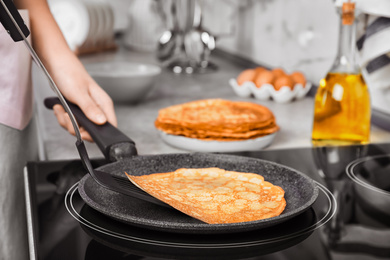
(13, 22)
(193, 44)
(166, 45)
(371, 180)
(199, 43)
(184, 14)
(171, 48)
(168, 40)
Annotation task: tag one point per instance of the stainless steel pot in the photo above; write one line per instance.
(371, 179)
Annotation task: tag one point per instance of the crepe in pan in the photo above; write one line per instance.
(215, 196)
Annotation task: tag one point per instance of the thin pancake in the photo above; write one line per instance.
(217, 119)
(217, 133)
(214, 195)
(216, 111)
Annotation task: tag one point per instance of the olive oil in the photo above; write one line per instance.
(342, 110)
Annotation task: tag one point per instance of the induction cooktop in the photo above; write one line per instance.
(341, 224)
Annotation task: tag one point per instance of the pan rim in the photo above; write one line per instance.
(203, 227)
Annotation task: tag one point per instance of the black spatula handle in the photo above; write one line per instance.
(8, 12)
(114, 144)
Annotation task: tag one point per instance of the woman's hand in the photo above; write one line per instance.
(66, 69)
(79, 88)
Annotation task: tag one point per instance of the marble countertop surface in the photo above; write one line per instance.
(137, 120)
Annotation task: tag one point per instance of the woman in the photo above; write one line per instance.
(17, 125)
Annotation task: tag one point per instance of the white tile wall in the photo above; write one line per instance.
(292, 34)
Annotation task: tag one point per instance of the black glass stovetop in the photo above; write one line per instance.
(62, 226)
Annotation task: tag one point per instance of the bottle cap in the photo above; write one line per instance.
(348, 13)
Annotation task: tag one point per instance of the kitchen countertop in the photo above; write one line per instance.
(137, 120)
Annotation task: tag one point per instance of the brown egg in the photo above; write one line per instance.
(259, 70)
(264, 77)
(283, 81)
(246, 75)
(278, 72)
(298, 77)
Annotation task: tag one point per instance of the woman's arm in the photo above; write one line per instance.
(66, 69)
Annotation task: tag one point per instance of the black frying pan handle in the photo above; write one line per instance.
(7, 22)
(114, 144)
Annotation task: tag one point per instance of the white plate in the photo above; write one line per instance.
(100, 21)
(192, 144)
(73, 19)
(94, 26)
(108, 22)
(111, 20)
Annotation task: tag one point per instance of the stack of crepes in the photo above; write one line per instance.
(217, 119)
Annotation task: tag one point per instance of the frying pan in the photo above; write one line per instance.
(300, 191)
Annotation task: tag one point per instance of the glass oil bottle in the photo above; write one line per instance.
(342, 110)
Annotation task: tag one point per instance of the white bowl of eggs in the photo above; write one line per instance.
(275, 84)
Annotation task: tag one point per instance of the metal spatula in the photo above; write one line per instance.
(14, 24)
